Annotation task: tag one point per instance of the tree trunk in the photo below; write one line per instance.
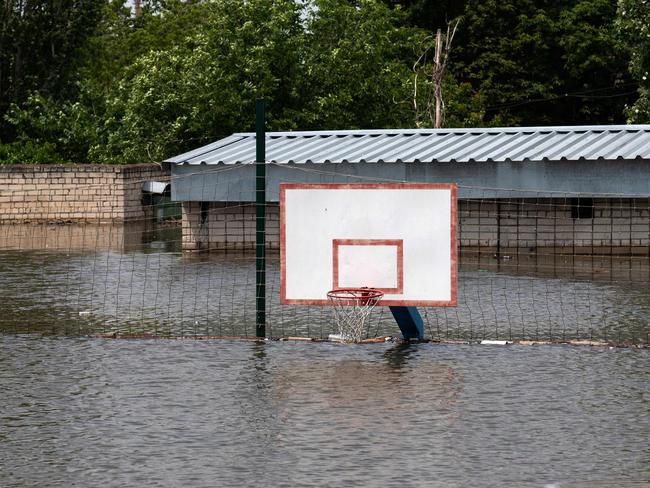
(437, 93)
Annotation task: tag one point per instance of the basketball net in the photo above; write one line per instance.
(352, 306)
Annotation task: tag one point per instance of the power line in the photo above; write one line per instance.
(580, 94)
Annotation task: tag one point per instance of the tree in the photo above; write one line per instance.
(335, 66)
(204, 87)
(429, 14)
(543, 62)
(356, 67)
(105, 85)
(50, 131)
(505, 52)
(429, 74)
(39, 45)
(595, 85)
(633, 22)
(121, 37)
(69, 122)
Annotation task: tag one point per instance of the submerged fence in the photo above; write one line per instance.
(532, 265)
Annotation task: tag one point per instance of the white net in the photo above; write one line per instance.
(352, 307)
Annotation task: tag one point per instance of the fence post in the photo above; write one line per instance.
(260, 234)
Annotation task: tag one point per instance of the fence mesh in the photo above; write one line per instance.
(101, 251)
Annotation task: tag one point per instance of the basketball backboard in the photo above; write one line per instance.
(399, 238)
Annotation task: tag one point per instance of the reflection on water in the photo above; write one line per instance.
(91, 237)
(102, 413)
(351, 388)
(136, 280)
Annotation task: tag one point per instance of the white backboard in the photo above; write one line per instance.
(397, 237)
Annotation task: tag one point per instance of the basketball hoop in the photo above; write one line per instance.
(352, 306)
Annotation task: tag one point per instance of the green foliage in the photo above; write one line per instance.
(465, 107)
(168, 99)
(506, 52)
(594, 62)
(121, 39)
(89, 81)
(429, 14)
(544, 62)
(40, 41)
(337, 66)
(29, 152)
(634, 26)
(205, 87)
(356, 64)
(64, 130)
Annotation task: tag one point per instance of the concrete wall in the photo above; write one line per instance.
(617, 226)
(74, 193)
(539, 179)
(504, 205)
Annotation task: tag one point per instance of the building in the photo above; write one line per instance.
(578, 189)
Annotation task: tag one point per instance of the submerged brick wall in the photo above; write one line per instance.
(585, 226)
(219, 226)
(603, 226)
(74, 193)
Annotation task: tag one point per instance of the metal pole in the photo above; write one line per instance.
(260, 234)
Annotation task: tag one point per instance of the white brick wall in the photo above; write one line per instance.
(619, 226)
(73, 193)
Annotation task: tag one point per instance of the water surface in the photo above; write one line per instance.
(134, 279)
(99, 412)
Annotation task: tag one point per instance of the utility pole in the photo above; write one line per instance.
(434, 106)
(439, 72)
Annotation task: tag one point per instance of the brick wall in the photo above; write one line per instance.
(616, 226)
(74, 193)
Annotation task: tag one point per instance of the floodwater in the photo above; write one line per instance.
(94, 412)
(98, 412)
(74, 280)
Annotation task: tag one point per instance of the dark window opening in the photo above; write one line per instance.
(205, 207)
(582, 208)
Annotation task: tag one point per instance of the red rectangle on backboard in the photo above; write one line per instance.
(399, 260)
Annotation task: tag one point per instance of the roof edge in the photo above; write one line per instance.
(464, 130)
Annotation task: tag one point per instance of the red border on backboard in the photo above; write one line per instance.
(371, 186)
(399, 256)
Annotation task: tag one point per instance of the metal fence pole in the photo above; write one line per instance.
(260, 234)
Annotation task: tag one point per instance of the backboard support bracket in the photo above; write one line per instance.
(409, 321)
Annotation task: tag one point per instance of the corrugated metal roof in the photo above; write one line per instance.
(572, 143)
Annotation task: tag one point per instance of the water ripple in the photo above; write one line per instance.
(95, 412)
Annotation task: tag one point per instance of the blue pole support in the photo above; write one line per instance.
(409, 321)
